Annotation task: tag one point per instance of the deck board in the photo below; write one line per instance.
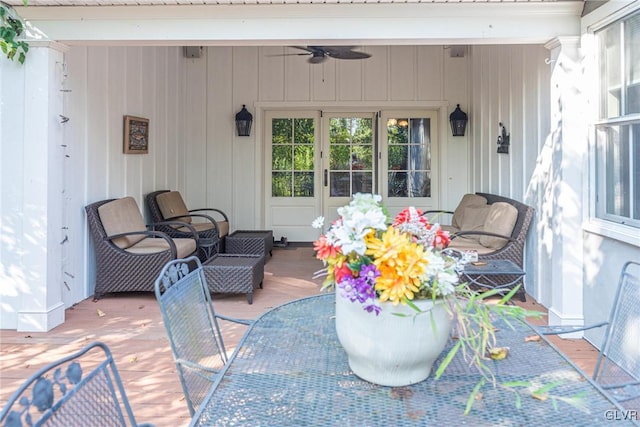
(130, 324)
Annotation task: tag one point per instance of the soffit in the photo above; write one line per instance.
(287, 22)
(44, 3)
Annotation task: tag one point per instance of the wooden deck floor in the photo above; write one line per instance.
(131, 326)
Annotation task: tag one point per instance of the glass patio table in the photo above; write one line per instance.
(290, 370)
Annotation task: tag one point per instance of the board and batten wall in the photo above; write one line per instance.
(191, 104)
(510, 84)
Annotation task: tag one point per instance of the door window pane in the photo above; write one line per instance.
(409, 157)
(292, 157)
(350, 156)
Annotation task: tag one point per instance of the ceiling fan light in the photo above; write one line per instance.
(317, 58)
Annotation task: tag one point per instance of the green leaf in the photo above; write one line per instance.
(545, 388)
(472, 396)
(509, 295)
(448, 358)
(512, 384)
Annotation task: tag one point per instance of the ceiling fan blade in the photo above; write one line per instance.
(287, 54)
(351, 55)
(320, 54)
(345, 52)
(308, 49)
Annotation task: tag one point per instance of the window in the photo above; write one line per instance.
(350, 155)
(409, 157)
(618, 129)
(292, 157)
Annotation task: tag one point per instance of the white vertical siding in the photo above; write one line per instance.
(510, 84)
(105, 84)
(221, 110)
(192, 102)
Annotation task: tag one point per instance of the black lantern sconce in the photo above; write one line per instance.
(243, 122)
(458, 120)
(503, 139)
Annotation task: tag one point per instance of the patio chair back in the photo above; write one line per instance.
(210, 223)
(618, 365)
(192, 326)
(82, 389)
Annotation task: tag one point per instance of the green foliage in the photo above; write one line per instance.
(12, 27)
(292, 157)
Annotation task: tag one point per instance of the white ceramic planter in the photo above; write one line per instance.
(391, 350)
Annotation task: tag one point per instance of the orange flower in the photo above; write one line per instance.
(324, 249)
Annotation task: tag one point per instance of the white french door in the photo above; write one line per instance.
(349, 161)
(315, 161)
(293, 194)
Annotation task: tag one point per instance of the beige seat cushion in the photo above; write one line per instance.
(467, 200)
(122, 216)
(462, 244)
(450, 228)
(473, 219)
(184, 247)
(171, 205)
(501, 219)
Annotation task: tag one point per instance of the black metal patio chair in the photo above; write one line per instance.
(192, 325)
(82, 389)
(618, 366)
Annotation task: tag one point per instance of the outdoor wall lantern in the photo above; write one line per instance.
(503, 139)
(458, 120)
(243, 122)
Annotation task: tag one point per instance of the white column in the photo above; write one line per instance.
(32, 195)
(569, 132)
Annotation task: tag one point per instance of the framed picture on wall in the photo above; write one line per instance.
(136, 135)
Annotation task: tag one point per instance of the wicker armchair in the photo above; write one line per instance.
(212, 228)
(128, 255)
(512, 246)
(502, 246)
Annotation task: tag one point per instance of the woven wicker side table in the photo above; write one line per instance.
(234, 274)
(256, 242)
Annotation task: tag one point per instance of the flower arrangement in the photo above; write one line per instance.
(370, 259)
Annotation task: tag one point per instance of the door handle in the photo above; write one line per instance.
(326, 178)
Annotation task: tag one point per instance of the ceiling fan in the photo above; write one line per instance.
(321, 53)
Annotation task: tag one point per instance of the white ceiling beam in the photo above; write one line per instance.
(284, 24)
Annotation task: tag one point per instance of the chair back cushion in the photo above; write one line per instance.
(171, 205)
(467, 201)
(473, 219)
(500, 220)
(122, 216)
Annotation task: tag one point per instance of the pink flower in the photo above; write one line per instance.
(324, 249)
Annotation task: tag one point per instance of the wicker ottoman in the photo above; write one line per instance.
(235, 274)
(255, 242)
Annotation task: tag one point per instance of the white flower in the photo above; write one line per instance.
(437, 270)
(318, 222)
(357, 219)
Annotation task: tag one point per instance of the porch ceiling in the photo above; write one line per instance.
(213, 2)
(293, 22)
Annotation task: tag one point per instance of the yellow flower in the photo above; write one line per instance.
(401, 263)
